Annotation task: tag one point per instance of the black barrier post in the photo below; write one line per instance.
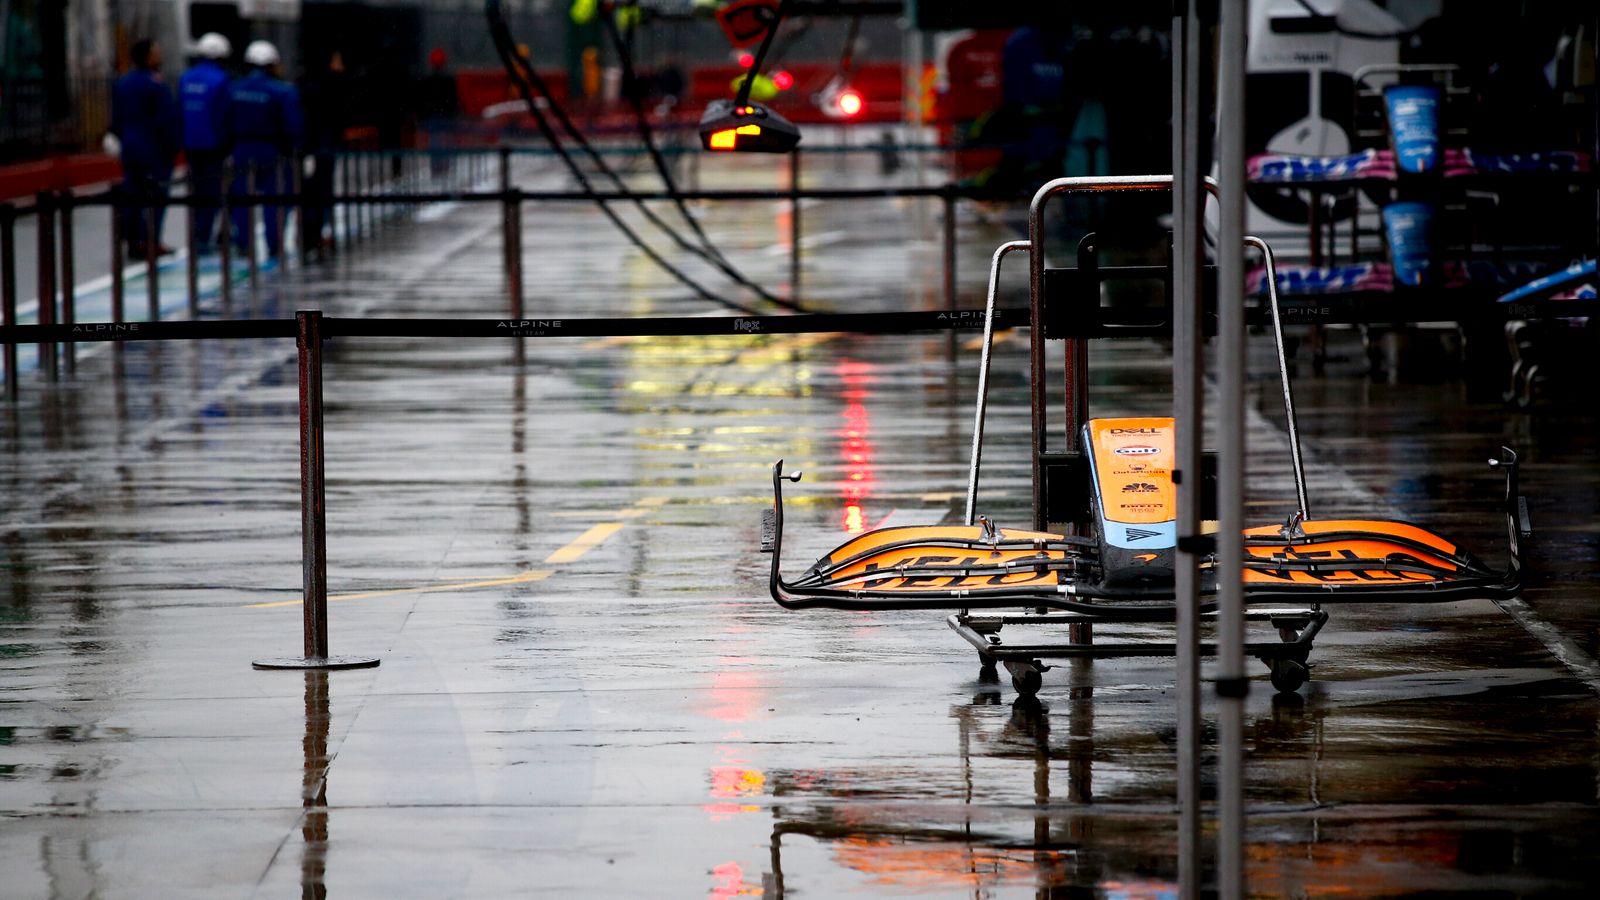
(118, 261)
(313, 522)
(794, 222)
(950, 250)
(250, 211)
(513, 232)
(69, 277)
(8, 289)
(152, 260)
(227, 235)
(192, 264)
(46, 205)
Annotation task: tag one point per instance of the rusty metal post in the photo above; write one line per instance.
(46, 206)
(513, 235)
(69, 279)
(225, 248)
(949, 200)
(794, 222)
(118, 261)
(251, 253)
(313, 520)
(152, 259)
(8, 290)
(192, 264)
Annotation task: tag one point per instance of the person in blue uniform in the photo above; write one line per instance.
(146, 124)
(203, 98)
(265, 131)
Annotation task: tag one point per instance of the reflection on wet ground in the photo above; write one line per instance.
(585, 690)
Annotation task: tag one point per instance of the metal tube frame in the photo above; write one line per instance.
(983, 373)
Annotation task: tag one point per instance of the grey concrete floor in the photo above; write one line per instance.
(585, 690)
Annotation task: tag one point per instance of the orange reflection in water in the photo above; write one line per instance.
(728, 881)
(924, 866)
(855, 446)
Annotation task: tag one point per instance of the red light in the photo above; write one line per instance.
(849, 102)
(782, 79)
(746, 60)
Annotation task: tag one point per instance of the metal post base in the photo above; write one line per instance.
(316, 662)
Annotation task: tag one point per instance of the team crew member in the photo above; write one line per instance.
(203, 97)
(146, 124)
(265, 131)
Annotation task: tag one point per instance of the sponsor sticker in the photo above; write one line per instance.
(1137, 450)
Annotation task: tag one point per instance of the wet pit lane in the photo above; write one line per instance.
(585, 689)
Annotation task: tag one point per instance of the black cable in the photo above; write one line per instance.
(761, 54)
(521, 74)
(710, 253)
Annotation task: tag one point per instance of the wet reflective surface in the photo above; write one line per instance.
(585, 690)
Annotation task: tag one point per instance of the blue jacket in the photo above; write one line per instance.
(145, 120)
(263, 116)
(203, 97)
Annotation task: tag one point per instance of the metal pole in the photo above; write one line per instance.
(505, 215)
(949, 201)
(47, 277)
(250, 228)
(118, 262)
(8, 290)
(69, 278)
(514, 258)
(1231, 684)
(794, 223)
(225, 251)
(152, 258)
(192, 266)
(1187, 371)
(313, 499)
(983, 374)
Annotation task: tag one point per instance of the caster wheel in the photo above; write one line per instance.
(1027, 682)
(1288, 675)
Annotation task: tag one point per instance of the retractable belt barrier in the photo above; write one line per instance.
(1098, 322)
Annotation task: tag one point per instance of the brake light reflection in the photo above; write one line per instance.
(855, 447)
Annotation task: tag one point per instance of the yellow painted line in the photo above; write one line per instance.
(521, 578)
(585, 542)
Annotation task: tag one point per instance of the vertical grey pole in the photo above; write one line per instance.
(1186, 382)
(514, 250)
(949, 200)
(250, 210)
(118, 210)
(69, 278)
(152, 259)
(313, 499)
(505, 215)
(46, 206)
(192, 267)
(8, 289)
(794, 223)
(1231, 682)
(225, 251)
(313, 495)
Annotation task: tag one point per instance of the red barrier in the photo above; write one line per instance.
(57, 173)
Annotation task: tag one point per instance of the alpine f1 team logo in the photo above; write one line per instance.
(1138, 450)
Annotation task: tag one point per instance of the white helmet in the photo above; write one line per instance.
(260, 53)
(213, 46)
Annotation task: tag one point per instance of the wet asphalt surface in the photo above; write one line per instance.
(585, 689)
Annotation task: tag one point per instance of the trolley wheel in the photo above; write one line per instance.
(1027, 681)
(1288, 675)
